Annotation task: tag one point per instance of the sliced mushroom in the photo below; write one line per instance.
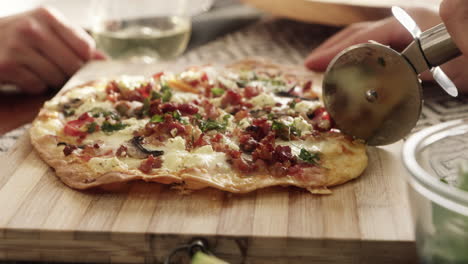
(140, 150)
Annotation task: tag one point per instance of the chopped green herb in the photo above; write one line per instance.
(108, 127)
(278, 125)
(211, 125)
(91, 127)
(217, 91)
(381, 61)
(155, 95)
(146, 106)
(197, 116)
(444, 180)
(166, 93)
(292, 104)
(270, 116)
(226, 117)
(157, 119)
(309, 157)
(295, 131)
(99, 111)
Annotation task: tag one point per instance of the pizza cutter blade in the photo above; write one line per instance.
(373, 92)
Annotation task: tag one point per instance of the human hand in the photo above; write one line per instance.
(388, 31)
(40, 49)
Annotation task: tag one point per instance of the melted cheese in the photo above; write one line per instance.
(88, 105)
(302, 125)
(82, 93)
(262, 100)
(117, 138)
(103, 165)
(182, 97)
(176, 157)
(49, 127)
(326, 146)
(305, 107)
(127, 82)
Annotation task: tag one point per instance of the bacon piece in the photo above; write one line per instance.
(155, 107)
(252, 91)
(168, 107)
(211, 112)
(265, 149)
(121, 151)
(113, 91)
(145, 90)
(241, 115)
(201, 141)
(231, 98)
(189, 109)
(243, 166)
(283, 154)
(150, 163)
(321, 120)
(69, 149)
(158, 75)
(73, 128)
(259, 129)
(247, 143)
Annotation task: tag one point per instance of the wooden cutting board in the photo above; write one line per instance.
(364, 221)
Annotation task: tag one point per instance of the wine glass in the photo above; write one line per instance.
(141, 30)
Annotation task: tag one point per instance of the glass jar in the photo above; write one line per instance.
(433, 157)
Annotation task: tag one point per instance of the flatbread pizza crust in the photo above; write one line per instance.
(343, 162)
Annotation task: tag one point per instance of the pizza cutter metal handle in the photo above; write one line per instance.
(437, 46)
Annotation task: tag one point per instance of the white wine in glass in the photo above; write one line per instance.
(138, 33)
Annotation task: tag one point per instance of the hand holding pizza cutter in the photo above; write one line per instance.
(373, 92)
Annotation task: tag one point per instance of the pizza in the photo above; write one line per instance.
(238, 128)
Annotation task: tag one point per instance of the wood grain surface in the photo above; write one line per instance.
(364, 221)
(337, 12)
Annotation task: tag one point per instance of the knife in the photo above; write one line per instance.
(374, 93)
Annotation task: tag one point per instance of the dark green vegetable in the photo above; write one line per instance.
(309, 157)
(146, 106)
(91, 127)
(217, 91)
(157, 119)
(166, 93)
(98, 111)
(207, 125)
(211, 125)
(108, 127)
(292, 104)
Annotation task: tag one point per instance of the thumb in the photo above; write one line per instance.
(454, 15)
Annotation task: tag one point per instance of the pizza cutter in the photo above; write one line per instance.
(373, 92)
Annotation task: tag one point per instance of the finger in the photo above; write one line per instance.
(26, 80)
(454, 14)
(47, 43)
(340, 36)
(98, 55)
(319, 60)
(47, 71)
(377, 31)
(457, 71)
(75, 37)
